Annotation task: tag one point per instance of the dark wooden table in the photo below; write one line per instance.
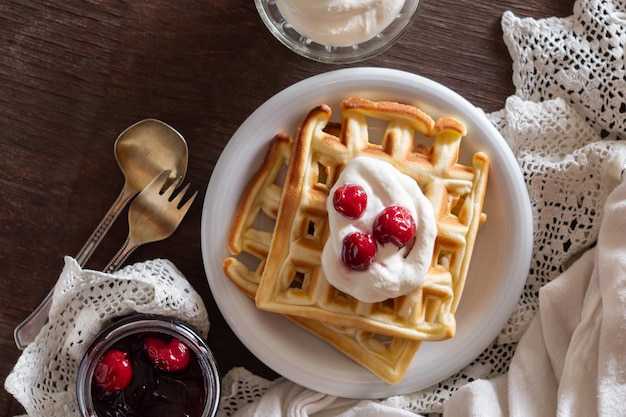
(74, 74)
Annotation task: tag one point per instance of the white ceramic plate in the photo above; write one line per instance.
(498, 270)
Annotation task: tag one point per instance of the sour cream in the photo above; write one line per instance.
(394, 272)
(339, 22)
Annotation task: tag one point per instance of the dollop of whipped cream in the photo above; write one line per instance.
(339, 22)
(394, 272)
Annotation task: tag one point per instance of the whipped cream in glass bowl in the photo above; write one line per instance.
(337, 31)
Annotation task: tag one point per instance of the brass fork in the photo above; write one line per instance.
(153, 215)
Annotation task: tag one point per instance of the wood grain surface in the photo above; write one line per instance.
(76, 73)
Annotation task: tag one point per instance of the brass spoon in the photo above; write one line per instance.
(142, 152)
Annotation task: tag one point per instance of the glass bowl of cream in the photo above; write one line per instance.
(337, 31)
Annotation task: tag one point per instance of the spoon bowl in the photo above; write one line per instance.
(147, 148)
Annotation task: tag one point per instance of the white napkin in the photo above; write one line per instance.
(570, 100)
(284, 398)
(572, 360)
(84, 302)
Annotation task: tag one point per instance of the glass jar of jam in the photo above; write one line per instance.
(145, 366)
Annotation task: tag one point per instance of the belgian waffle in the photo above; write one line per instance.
(251, 234)
(292, 280)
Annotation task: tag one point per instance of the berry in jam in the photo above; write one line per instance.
(394, 225)
(178, 392)
(169, 356)
(358, 251)
(113, 371)
(350, 200)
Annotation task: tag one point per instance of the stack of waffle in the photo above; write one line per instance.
(291, 188)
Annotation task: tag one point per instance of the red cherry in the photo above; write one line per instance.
(169, 356)
(113, 371)
(350, 200)
(396, 225)
(358, 251)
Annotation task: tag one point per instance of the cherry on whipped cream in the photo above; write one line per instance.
(358, 251)
(350, 200)
(394, 225)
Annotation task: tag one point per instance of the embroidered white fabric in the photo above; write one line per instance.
(84, 302)
(564, 125)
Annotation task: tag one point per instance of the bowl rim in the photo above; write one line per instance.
(305, 47)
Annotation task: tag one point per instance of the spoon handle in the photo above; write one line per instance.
(104, 226)
(26, 331)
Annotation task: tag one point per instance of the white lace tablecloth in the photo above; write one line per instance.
(84, 302)
(564, 125)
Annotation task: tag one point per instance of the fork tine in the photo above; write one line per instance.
(179, 197)
(183, 210)
(170, 190)
(158, 182)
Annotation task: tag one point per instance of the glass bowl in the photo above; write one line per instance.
(200, 377)
(307, 47)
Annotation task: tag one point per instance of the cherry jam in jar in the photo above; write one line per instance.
(146, 366)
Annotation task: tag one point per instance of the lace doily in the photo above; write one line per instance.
(84, 302)
(565, 135)
(239, 387)
(579, 58)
